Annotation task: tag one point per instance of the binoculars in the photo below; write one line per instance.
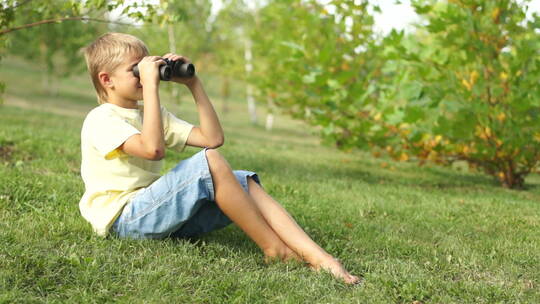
(172, 69)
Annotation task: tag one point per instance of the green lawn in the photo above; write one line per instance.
(425, 234)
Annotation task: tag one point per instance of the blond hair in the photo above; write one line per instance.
(107, 53)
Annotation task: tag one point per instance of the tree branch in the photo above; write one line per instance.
(2, 32)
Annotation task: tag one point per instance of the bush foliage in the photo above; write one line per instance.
(464, 86)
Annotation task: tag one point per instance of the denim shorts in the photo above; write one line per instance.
(178, 204)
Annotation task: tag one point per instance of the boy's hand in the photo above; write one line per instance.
(149, 70)
(183, 80)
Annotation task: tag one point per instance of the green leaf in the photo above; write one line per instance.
(414, 114)
(309, 78)
(412, 90)
(396, 117)
(293, 46)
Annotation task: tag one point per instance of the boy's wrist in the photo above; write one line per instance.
(151, 92)
(150, 89)
(193, 82)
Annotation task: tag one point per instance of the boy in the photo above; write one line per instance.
(123, 143)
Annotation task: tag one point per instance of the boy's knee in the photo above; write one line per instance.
(212, 155)
(215, 160)
(210, 152)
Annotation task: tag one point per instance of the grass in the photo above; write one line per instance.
(426, 234)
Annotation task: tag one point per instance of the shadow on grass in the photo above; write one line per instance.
(230, 237)
(402, 174)
(368, 171)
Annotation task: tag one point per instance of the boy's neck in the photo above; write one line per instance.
(128, 104)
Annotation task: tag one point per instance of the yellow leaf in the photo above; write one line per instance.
(488, 131)
(403, 157)
(501, 117)
(480, 132)
(473, 77)
(405, 132)
(433, 155)
(503, 76)
(496, 13)
(466, 84)
(377, 117)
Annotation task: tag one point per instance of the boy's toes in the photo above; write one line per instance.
(354, 280)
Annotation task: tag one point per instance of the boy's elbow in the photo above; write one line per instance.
(158, 156)
(218, 142)
(155, 154)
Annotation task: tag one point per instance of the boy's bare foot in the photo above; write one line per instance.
(329, 264)
(282, 255)
(292, 256)
(333, 266)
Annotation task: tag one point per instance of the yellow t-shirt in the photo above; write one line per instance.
(111, 177)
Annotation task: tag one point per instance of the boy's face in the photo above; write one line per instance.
(126, 87)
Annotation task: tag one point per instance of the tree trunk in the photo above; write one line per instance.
(269, 121)
(249, 89)
(175, 92)
(225, 92)
(270, 116)
(511, 180)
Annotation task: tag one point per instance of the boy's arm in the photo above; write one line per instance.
(150, 144)
(210, 133)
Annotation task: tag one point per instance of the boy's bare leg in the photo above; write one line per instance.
(240, 208)
(294, 236)
(276, 234)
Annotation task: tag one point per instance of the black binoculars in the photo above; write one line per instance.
(172, 69)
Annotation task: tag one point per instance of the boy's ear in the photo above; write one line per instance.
(105, 80)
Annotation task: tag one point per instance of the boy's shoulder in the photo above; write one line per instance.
(111, 110)
(99, 109)
(97, 114)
